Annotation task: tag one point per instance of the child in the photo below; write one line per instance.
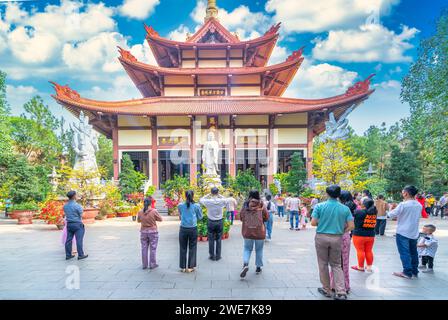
(427, 247)
(303, 216)
(270, 206)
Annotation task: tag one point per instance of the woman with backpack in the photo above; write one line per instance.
(253, 216)
(149, 235)
(270, 206)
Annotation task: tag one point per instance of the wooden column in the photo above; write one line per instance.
(193, 153)
(271, 149)
(154, 155)
(116, 154)
(309, 148)
(232, 155)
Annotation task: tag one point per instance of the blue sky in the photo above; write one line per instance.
(74, 42)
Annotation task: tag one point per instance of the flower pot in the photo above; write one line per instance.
(111, 215)
(123, 214)
(60, 226)
(205, 239)
(89, 214)
(13, 214)
(25, 217)
(199, 238)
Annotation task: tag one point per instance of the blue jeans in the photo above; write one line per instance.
(281, 211)
(269, 225)
(77, 230)
(230, 216)
(291, 219)
(408, 254)
(248, 247)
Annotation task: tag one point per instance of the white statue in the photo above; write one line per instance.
(210, 155)
(337, 129)
(278, 185)
(85, 144)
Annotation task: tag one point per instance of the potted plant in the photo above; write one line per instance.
(123, 209)
(24, 212)
(226, 229)
(52, 212)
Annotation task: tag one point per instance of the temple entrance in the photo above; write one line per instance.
(171, 163)
(140, 159)
(255, 160)
(284, 159)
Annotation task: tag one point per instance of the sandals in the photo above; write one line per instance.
(358, 269)
(325, 293)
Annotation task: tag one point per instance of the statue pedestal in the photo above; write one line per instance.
(212, 181)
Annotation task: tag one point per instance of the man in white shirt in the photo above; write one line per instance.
(293, 206)
(408, 214)
(215, 204)
(231, 208)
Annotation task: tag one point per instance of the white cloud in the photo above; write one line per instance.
(179, 34)
(17, 96)
(320, 81)
(323, 15)
(122, 88)
(143, 53)
(98, 52)
(138, 9)
(369, 43)
(246, 23)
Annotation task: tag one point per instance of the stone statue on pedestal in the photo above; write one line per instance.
(210, 158)
(85, 144)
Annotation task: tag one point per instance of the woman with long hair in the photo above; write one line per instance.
(149, 234)
(253, 216)
(189, 213)
(346, 199)
(364, 235)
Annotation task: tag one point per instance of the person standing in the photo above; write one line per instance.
(313, 204)
(254, 214)
(288, 197)
(303, 216)
(346, 199)
(231, 208)
(215, 203)
(364, 235)
(408, 214)
(443, 204)
(75, 228)
(270, 206)
(381, 219)
(294, 207)
(427, 247)
(149, 235)
(421, 199)
(189, 214)
(280, 204)
(332, 220)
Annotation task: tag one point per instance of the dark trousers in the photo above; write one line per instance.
(188, 240)
(74, 229)
(427, 260)
(408, 254)
(380, 226)
(215, 228)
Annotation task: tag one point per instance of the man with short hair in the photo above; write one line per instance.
(408, 214)
(231, 208)
(214, 202)
(332, 219)
(73, 217)
(443, 204)
(294, 208)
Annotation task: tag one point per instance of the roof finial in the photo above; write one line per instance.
(212, 10)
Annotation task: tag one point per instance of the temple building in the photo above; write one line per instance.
(213, 81)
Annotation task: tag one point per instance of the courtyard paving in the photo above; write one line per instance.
(33, 266)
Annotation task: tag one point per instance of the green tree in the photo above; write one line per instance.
(5, 139)
(131, 181)
(40, 113)
(244, 182)
(403, 169)
(105, 157)
(425, 88)
(297, 176)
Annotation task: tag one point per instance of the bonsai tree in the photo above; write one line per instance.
(83, 182)
(244, 182)
(131, 180)
(296, 177)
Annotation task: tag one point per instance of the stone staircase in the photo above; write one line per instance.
(160, 204)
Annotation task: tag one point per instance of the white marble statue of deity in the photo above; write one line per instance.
(85, 144)
(337, 129)
(210, 155)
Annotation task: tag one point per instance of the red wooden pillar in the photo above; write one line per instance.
(154, 155)
(116, 155)
(271, 149)
(193, 153)
(232, 156)
(309, 149)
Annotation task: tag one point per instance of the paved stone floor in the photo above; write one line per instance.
(32, 266)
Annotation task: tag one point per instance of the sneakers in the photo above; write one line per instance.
(83, 257)
(421, 267)
(402, 275)
(244, 271)
(429, 270)
(324, 292)
(258, 270)
(340, 296)
(69, 257)
(154, 266)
